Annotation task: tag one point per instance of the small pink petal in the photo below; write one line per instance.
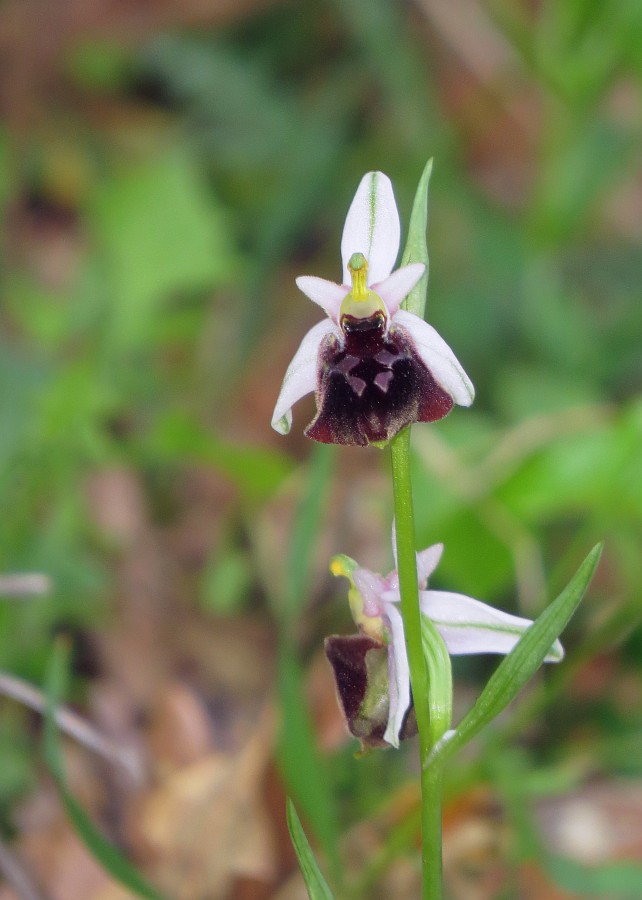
(437, 356)
(326, 294)
(396, 287)
(427, 562)
(372, 227)
(370, 585)
(301, 375)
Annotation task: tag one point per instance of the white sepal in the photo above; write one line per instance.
(438, 358)
(301, 375)
(398, 678)
(372, 228)
(470, 626)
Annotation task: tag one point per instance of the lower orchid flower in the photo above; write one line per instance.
(374, 367)
(371, 668)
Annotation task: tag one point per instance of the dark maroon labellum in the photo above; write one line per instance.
(360, 666)
(373, 384)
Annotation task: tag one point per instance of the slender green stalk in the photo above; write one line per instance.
(431, 799)
(408, 585)
(411, 614)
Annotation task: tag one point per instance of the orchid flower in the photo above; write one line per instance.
(371, 668)
(373, 366)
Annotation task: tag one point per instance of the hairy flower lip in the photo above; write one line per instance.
(359, 665)
(371, 231)
(371, 385)
(466, 625)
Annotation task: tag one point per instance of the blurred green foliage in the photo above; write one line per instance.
(196, 172)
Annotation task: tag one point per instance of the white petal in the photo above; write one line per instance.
(437, 357)
(301, 376)
(396, 287)
(469, 626)
(326, 293)
(372, 228)
(399, 678)
(371, 586)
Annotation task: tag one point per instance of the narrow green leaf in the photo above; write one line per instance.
(416, 249)
(304, 770)
(314, 881)
(101, 849)
(524, 659)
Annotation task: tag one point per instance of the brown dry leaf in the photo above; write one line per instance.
(475, 843)
(598, 823)
(293, 889)
(61, 863)
(117, 503)
(179, 732)
(158, 629)
(534, 884)
(205, 825)
(113, 891)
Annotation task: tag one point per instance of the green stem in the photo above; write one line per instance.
(408, 585)
(411, 614)
(431, 795)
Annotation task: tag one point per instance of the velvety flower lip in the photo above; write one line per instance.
(374, 367)
(466, 625)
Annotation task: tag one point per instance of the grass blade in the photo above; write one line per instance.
(416, 249)
(101, 849)
(316, 884)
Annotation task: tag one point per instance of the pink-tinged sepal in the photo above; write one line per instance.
(399, 678)
(427, 562)
(470, 626)
(438, 358)
(372, 227)
(301, 375)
